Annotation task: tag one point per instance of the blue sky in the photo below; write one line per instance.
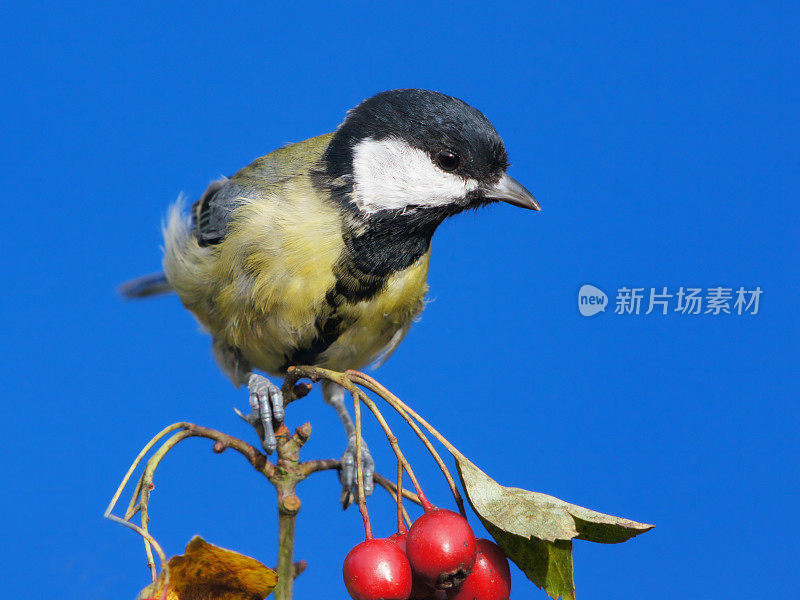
(662, 144)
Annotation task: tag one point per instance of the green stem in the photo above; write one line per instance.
(397, 404)
(376, 387)
(426, 505)
(287, 474)
(362, 500)
(287, 516)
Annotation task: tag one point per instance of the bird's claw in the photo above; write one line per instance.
(266, 402)
(347, 473)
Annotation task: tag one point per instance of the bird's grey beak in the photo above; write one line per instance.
(512, 191)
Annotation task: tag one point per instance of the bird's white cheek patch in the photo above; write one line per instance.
(390, 174)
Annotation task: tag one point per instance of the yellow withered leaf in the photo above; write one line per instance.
(208, 572)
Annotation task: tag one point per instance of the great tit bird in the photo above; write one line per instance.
(318, 252)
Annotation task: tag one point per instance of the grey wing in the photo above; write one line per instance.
(211, 214)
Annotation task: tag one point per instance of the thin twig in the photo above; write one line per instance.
(334, 464)
(147, 486)
(133, 506)
(136, 462)
(396, 447)
(150, 539)
(141, 495)
(395, 403)
(362, 500)
(390, 487)
(376, 387)
(323, 464)
(401, 511)
(345, 380)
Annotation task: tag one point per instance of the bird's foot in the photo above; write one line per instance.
(266, 402)
(348, 472)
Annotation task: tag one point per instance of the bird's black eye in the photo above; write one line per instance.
(448, 160)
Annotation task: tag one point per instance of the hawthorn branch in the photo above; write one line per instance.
(284, 474)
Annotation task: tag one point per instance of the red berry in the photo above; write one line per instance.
(420, 590)
(377, 569)
(441, 548)
(490, 578)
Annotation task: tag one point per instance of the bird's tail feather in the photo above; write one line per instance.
(143, 287)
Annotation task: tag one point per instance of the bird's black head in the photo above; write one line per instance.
(419, 152)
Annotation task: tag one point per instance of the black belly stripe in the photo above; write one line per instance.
(329, 327)
(352, 286)
(390, 244)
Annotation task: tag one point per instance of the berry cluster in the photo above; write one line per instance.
(437, 559)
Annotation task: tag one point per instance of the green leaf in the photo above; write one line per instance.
(547, 564)
(536, 530)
